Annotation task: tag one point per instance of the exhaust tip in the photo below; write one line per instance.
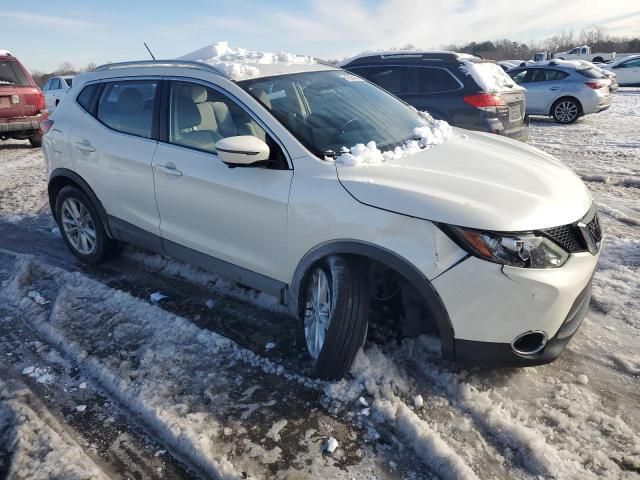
(529, 343)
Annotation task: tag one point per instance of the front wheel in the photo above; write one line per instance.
(334, 314)
(81, 226)
(566, 110)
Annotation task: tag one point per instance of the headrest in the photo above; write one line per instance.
(197, 93)
(188, 113)
(262, 96)
(130, 101)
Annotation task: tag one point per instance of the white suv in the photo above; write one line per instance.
(484, 241)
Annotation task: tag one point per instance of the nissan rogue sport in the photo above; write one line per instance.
(307, 182)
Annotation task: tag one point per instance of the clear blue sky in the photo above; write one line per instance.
(46, 33)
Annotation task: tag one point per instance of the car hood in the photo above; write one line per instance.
(474, 180)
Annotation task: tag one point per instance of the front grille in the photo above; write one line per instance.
(572, 237)
(594, 228)
(568, 237)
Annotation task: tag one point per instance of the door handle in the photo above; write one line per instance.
(554, 89)
(170, 169)
(84, 146)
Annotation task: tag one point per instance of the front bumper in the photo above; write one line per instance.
(489, 305)
(502, 355)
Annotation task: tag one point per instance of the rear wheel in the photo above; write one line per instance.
(334, 315)
(36, 140)
(566, 110)
(81, 226)
(598, 60)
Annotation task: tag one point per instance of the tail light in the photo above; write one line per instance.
(40, 101)
(484, 100)
(45, 125)
(595, 85)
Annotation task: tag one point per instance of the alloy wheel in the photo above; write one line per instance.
(317, 314)
(566, 111)
(78, 226)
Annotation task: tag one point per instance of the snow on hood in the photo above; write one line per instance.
(474, 180)
(432, 132)
(239, 63)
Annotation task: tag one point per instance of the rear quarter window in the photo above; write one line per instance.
(86, 95)
(430, 80)
(589, 72)
(12, 74)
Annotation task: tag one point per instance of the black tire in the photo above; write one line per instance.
(36, 141)
(347, 331)
(598, 60)
(566, 110)
(105, 247)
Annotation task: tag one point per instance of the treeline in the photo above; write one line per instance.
(594, 35)
(65, 68)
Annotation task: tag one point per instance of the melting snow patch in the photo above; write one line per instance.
(276, 428)
(80, 408)
(28, 370)
(363, 402)
(270, 346)
(210, 303)
(159, 452)
(433, 132)
(82, 386)
(418, 401)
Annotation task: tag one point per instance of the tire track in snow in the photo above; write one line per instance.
(184, 383)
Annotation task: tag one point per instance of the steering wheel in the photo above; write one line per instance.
(348, 126)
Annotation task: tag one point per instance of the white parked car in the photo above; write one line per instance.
(584, 53)
(627, 69)
(55, 89)
(487, 242)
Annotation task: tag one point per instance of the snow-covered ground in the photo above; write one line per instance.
(206, 381)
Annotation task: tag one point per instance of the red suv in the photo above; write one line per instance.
(21, 102)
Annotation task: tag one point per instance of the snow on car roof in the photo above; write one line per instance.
(241, 64)
(5, 52)
(391, 53)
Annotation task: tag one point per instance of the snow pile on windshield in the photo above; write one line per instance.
(488, 75)
(433, 132)
(239, 63)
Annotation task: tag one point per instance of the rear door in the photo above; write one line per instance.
(112, 149)
(543, 87)
(435, 90)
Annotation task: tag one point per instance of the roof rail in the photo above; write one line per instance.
(159, 63)
(404, 55)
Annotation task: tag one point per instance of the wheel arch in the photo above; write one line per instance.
(566, 97)
(62, 177)
(392, 260)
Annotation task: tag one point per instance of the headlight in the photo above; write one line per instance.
(526, 250)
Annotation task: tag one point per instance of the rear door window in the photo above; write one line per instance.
(128, 106)
(548, 75)
(12, 74)
(430, 80)
(390, 78)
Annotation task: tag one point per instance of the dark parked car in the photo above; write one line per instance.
(21, 102)
(466, 91)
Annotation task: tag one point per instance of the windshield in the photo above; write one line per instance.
(333, 109)
(11, 74)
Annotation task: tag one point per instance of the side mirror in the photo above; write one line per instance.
(242, 150)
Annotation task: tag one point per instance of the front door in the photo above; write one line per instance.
(237, 215)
